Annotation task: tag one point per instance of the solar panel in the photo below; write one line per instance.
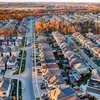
(68, 91)
(5, 84)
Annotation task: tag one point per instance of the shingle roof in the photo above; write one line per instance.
(96, 74)
(7, 49)
(5, 84)
(12, 59)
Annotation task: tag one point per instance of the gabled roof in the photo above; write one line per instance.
(80, 66)
(62, 92)
(52, 72)
(74, 61)
(15, 49)
(7, 49)
(55, 79)
(96, 74)
(12, 59)
(3, 60)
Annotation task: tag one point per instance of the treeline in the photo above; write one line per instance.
(45, 25)
(13, 14)
(54, 25)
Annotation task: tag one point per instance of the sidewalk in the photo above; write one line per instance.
(39, 81)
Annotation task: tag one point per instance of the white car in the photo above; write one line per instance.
(23, 90)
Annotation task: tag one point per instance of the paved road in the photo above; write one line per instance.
(26, 76)
(89, 60)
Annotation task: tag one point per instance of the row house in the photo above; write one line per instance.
(8, 62)
(5, 86)
(94, 38)
(9, 51)
(53, 78)
(94, 83)
(73, 58)
(88, 44)
(63, 92)
(22, 27)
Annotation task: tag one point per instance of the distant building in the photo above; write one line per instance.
(94, 83)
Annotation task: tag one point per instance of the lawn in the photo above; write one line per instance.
(19, 62)
(85, 78)
(14, 91)
(22, 67)
(56, 56)
(88, 53)
(24, 54)
(97, 62)
(61, 56)
(60, 65)
(20, 90)
(20, 54)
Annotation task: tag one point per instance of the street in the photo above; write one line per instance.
(85, 57)
(26, 76)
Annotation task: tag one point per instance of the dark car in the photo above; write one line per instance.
(43, 87)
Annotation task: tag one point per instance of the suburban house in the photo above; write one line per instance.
(12, 61)
(51, 71)
(3, 61)
(4, 87)
(74, 59)
(62, 92)
(55, 80)
(92, 47)
(81, 68)
(7, 51)
(95, 38)
(15, 51)
(94, 82)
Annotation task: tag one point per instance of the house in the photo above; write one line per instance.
(74, 75)
(51, 72)
(96, 51)
(63, 74)
(7, 51)
(62, 92)
(18, 42)
(55, 80)
(95, 75)
(3, 62)
(4, 43)
(92, 47)
(15, 51)
(5, 87)
(94, 83)
(81, 68)
(14, 37)
(19, 37)
(74, 61)
(12, 61)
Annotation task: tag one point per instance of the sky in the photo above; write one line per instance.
(96, 1)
